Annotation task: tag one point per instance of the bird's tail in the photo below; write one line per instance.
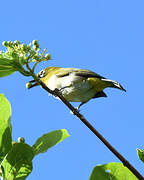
(114, 84)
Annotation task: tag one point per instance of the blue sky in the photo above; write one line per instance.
(104, 36)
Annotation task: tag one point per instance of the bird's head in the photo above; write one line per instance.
(42, 75)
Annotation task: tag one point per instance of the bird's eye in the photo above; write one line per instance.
(41, 74)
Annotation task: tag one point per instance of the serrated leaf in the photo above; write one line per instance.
(17, 164)
(5, 127)
(112, 171)
(48, 140)
(140, 153)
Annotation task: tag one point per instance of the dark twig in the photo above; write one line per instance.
(81, 117)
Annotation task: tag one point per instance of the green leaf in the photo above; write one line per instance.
(5, 72)
(6, 67)
(5, 127)
(17, 164)
(140, 153)
(11, 62)
(25, 170)
(48, 140)
(112, 171)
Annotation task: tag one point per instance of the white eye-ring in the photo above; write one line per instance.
(41, 74)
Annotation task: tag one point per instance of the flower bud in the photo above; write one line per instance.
(28, 47)
(24, 47)
(5, 43)
(48, 56)
(21, 140)
(28, 85)
(9, 43)
(16, 42)
(35, 42)
(34, 47)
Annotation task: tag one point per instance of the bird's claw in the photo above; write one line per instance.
(76, 110)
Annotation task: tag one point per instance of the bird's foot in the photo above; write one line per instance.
(76, 110)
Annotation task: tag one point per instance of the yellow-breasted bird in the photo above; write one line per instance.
(76, 85)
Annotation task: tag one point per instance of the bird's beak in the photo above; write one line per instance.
(31, 84)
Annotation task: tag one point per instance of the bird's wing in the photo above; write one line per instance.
(63, 72)
(78, 72)
(88, 74)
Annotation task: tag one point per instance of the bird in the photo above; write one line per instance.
(75, 85)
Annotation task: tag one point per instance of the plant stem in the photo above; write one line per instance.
(81, 117)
